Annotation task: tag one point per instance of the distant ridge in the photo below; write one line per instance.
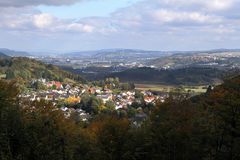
(14, 53)
(134, 52)
(111, 53)
(184, 76)
(2, 55)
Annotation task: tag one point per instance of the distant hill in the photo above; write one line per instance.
(13, 53)
(31, 69)
(137, 52)
(185, 76)
(84, 54)
(116, 53)
(214, 58)
(2, 55)
(128, 54)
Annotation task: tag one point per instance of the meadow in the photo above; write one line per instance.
(172, 88)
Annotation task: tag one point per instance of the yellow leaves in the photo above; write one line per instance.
(72, 100)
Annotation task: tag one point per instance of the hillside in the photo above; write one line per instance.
(13, 53)
(127, 53)
(203, 127)
(185, 76)
(2, 55)
(116, 53)
(217, 59)
(31, 69)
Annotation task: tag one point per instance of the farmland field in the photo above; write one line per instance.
(171, 88)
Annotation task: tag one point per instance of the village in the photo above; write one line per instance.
(69, 97)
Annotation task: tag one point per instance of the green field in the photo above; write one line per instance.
(169, 88)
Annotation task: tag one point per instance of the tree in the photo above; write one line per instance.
(110, 105)
(48, 134)
(39, 86)
(11, 135)
(138, 95)
(222, 105)
(10, 74)
(90, 104)
(112, 136)
(177, 131)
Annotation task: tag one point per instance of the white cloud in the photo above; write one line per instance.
(28, 19)
(219, 4)
(88, 28)
(200, 4)
(221, 30)
(173, 16)
(146, 15)
(79, 27)
(153, 19)
(22, 3)
(43, 20)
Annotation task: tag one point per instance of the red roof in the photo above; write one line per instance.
(57, 84)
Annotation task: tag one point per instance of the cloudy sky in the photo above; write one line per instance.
(70, 25)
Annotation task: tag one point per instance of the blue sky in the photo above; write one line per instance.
(101, 8)
(71, 25)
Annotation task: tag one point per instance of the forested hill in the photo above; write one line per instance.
(184, 76)
(203, 127)
(28, 69)
(226, 93)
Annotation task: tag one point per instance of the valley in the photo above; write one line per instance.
(119, 80)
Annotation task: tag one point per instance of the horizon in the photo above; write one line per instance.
(108, 49)
(83, 25)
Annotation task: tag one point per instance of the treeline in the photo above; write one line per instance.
(184, 76)
(113, 83)
(205, 127)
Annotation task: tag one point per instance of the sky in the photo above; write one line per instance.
(77, 25)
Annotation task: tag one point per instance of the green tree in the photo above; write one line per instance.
(110, 105)
(112, 135)
(90, 104)
(11, 136)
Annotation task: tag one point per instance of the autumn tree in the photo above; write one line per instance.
(112, 135)
(10, 121)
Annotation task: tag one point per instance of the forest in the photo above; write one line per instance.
(28, 69)
(204, 127)
(182, 76)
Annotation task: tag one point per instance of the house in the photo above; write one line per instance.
(106, 90)
(105, 97)
(3, 76)
(98, 91)
(56, 84)
(118, 106)
(68, 87)
(43, 80)
(92, 90)
(149, 99)
(130, 93)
